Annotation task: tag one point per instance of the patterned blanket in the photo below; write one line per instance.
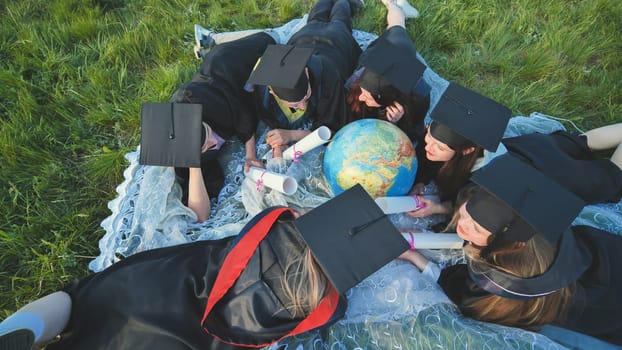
(396, 308)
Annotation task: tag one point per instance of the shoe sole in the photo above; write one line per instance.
(197, 52)
(21, 339)
(197, 36)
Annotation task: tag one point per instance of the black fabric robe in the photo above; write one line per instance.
(227, 108)
(566, 158)
(219, 86)
(596, 308)
(335, 56)
(412, 123)
(156, 299)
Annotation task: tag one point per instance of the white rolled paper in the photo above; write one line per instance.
(317, 138)
(435, 240)
(398, 204)
(284, 184)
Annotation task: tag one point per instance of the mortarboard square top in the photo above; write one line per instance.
(537, 199)
(282, 67)
(170, 134)
(394, 65)
(472, 116)
(350, 237)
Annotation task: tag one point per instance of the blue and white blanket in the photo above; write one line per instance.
(396, 308)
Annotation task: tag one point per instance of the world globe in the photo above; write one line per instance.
(373, 153)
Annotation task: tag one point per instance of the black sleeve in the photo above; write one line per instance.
(458, 286)
(332, 109)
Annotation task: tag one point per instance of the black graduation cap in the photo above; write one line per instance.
(171, 134)
(469, 115)
(350, 237)
(519, 201)
(282, 67)
(387, 64)
(535, 201)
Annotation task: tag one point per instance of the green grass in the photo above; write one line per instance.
(73, 74)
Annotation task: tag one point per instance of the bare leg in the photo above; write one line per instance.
(205, 39)
(220, 38)
(607, 137)
(408, 10)
(395, 14)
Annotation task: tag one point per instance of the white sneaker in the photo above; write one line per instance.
(409, 11)
(203, 37)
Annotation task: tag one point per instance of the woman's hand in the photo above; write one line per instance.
(395, 112)
(248, 162)
(418, 189)
(415, 258)
(279, 137)
(282, 137)
(431, 207)
(277, 152)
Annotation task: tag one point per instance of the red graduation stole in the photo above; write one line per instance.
(236, 261)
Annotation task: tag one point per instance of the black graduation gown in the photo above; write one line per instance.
(411, 123)
(219, 86)
(596, 308)
(227, 108)
(334, 58)
(566, 158)
(157, 299)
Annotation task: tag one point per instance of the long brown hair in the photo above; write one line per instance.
(455, 173)
(525, 260)
(415, 109)
(358, 109)
(463, 196)
(304, 283)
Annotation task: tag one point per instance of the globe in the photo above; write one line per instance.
(373, 153)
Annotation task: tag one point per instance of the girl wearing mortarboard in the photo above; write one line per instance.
(300, 86)
(280, 276)
(466, 133)
(525, 266)
(227, 112)
(389, 82)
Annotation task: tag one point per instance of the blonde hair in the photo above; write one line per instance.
(463, 196)
(304, 283)
(532, 259)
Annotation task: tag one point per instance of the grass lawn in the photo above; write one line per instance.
(75, 72)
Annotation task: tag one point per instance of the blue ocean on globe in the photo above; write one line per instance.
(373, 153)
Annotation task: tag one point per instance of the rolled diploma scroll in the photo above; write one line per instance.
(398, 204)
(435, 240)
(317, 138)
(279, 182)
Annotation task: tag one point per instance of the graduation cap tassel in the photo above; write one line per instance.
(520, 205)
(356, 229)
(286, 54)
(172, 134)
